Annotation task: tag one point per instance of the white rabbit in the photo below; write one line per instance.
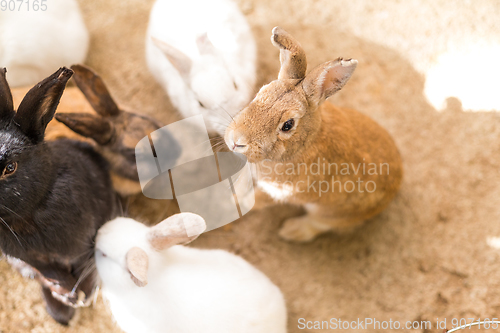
(203, 54)
(152, 285)
(34, 43)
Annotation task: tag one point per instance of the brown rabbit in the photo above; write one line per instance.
(338, 163)
(115, 130)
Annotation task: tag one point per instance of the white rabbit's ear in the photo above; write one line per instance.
(328, 78)
(137, 264)
(178, 229)
(178, 59)
(204, 44)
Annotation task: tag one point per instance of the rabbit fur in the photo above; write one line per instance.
(154, 285)
(25, 48)
(115, 131)
(203, 54)
(53, 197)
(289, 128)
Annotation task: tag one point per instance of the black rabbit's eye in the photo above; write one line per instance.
(10, 169)
(288, 125)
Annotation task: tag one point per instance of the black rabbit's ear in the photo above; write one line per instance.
(6, 104)
(39, 105)
(89, 126)
(94, 89)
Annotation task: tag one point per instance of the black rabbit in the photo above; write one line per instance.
(54, 196)
(115, 130)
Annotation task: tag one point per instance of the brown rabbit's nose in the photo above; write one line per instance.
(234, 141)
(238, 146)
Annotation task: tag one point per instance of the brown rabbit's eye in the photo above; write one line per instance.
(288, 125)
(10, 169)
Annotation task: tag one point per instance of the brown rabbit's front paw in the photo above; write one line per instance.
(299, 229)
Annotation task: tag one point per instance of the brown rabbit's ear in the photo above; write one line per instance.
(178, 229)
(6, 104)
(88, 125)
(328, 78)
(292, 55)
(178, 59)
(94, 89)
(40, 103)
(137, 264)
